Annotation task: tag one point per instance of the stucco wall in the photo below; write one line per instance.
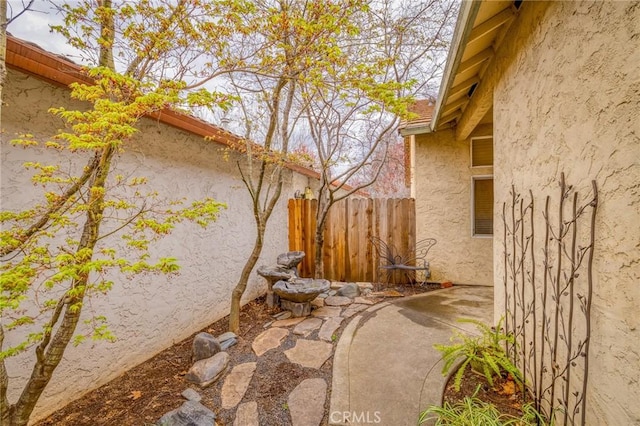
(148, 313)
(443, 179)
(569, 100)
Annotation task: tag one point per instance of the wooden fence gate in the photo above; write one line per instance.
(348, 253)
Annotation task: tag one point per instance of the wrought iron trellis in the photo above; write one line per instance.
(552, 337)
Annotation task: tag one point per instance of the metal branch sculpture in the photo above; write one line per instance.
(552, 337)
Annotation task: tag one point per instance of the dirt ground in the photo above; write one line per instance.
(143, 394)
(504, 394)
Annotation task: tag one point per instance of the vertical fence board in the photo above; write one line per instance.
(347, 251)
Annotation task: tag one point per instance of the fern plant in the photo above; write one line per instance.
(485, 353)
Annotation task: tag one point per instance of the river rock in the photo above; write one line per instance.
(205, 346)
(191, 413)
(207, 371)
(349, 290)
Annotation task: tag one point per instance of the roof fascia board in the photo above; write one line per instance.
(467, 16)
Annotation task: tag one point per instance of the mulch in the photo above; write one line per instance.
(143, 394)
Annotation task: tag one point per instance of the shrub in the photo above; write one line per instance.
(485, 354)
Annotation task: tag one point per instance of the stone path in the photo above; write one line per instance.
(315, 338)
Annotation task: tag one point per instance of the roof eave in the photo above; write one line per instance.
(464, 25)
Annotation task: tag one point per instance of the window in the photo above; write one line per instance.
(482, 194)
(482, 151)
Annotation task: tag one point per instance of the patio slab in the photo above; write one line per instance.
(385, 366)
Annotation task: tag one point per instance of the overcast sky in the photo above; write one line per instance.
(34, 26)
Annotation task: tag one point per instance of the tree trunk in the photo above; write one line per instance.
(321, 223)
(50, 351)
(241, 286)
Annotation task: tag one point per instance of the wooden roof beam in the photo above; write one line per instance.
(453, 106)
(463, 87)
(475, 60)
(491, 24)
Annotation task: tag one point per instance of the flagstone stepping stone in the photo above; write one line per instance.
(318, 302)
(337, 301)
(363, 301)
(207, 371)
(306, 402)
(189, 414)
(327, 312)
(204, 346)
(349, 290)
(307, 326)
(288, 322)
(329, 327)
(247, 414)
(268, 340)
(309, 353)
(236, 384)
(353, 309)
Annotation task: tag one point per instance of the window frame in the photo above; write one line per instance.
(471, 152)
(473, 206)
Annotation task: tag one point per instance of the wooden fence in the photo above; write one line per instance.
(348, 253)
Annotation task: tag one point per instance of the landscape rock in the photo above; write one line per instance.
(307, 326)
(329, 327)
(288, 322)
(247, 414)
(191, 413)
(191, 395)
(228, 343)
(318, 302)
(353, 309)
(364, 286)
(349, 290)
(236, 384)
(363, 301)
(226, 336)
(268, 340)
(327, 312)
(205, 346)
(300, 289)
(337, 301)
(290, 259)
(336, 285)
(207, 371)
(309, 353)
(298, 309)
(306, 402)
(282, 315)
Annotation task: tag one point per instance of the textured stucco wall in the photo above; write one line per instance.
(569, 100)
(148, 313)
(443, 208)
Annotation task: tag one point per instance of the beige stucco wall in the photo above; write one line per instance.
(443, 179)
(569, 100)
(148, 313)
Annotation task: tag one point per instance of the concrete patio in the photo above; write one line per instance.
(385, 369)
